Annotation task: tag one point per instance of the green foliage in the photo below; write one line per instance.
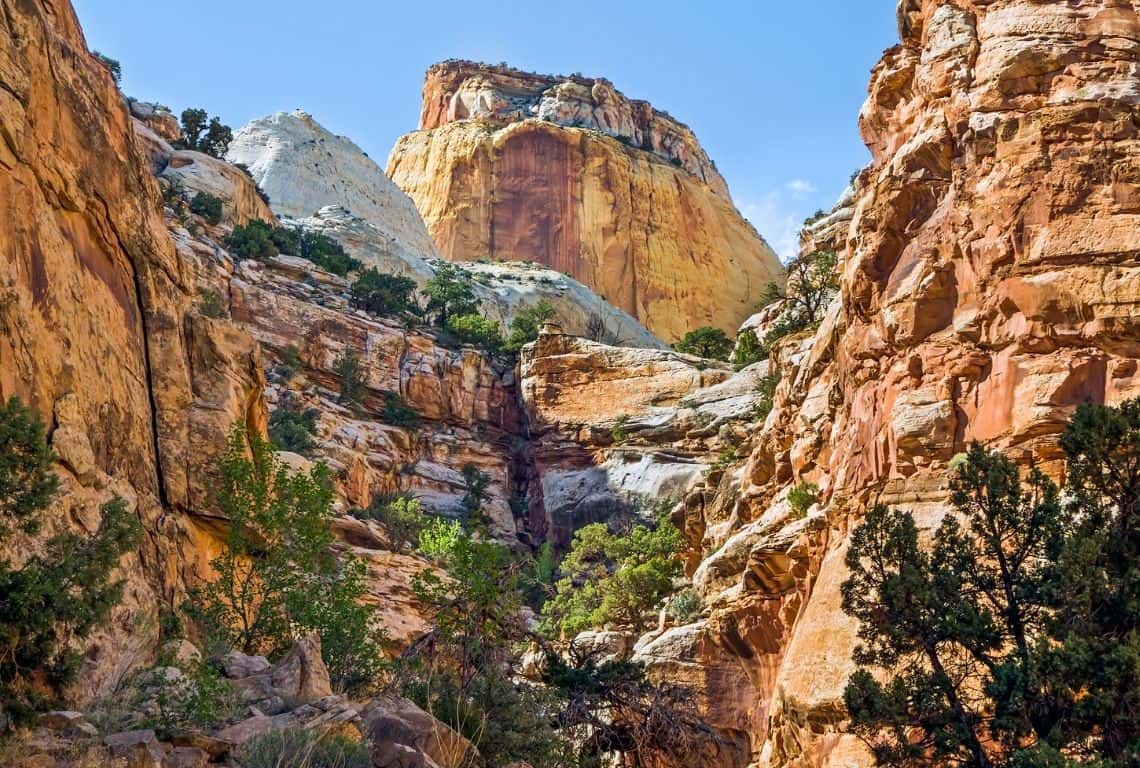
(113, 66)
(707, 342)
(211, 304)
(748, 349)
(27, 484)
(208, 207)
(326, 253)
(450, 293)
(383, 294)
(396, 412)
(63, 592)
(301, 748)
(685, 606)
(403, 518)
(801, 498)
(478, 330)
(812, 280)
(278, 576)
(475, 494)
(204, 134)
(767, 391)
(253, 240)
(351, 376)
(291, 360)
(201, 699)
(961, 618)
(292, 429)
(609, 578)
(620, 430)
(526, 324)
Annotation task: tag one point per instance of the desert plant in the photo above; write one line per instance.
(292, 429)
(526, 324)
(707, 342)
(396, 412)
(767, 394)
(748, 349)
(802, 497)
(402, 517)
(382, 294)
(478, 330)
(685, 606)
(208, 207)
(252, 240)
(449, 294)
(619, 432)
(211, 304)
(301, 748)
(350, 373)
(112, 65)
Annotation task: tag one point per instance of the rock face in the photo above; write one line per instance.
(97, 329)
(303, 168)
(569, 173)
(990, 284)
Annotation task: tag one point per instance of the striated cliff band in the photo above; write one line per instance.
(569, 173)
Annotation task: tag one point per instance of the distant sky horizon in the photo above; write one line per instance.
(772, 90)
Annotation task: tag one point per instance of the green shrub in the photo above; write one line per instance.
(351, 375)
(253, 240)
(765, 402)
(301, 748)
(475, 495)
(478, 330)
(208, 207)
(748, 349)
(685, 606)
(526, 324)
(396, 412)
(382, 294)
(112, 65)
(204, 134)
(812, 281)
(292, 429)
(620, 432)
(402, 517)
(200, 699)
(278, 576)
(211, 304)
(449, 293)
(707, 342)
(612, 578)
(60, 594)
(802, 497)
(291, 360)
(327, 253)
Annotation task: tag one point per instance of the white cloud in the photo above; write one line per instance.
(801, 188)
(776, 219)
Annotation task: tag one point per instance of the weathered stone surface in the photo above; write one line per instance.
(195, 172)
(401, 733)
(517, 167)
(301, 676)
(303, 168)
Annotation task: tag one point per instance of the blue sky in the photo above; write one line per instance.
(772, 89)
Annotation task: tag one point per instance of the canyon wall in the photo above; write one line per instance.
(569, 173)
(990, 278)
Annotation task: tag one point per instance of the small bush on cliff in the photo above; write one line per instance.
(475, 483)
(211, 304)
(292, 429)
(202, 133)
(278, 576)
(610, 578)
(253, 240)
(61, 594)
(812, 280)
(450, 293)
(113, 66)
(707, 342)
(767, 394)
(402, 517)
(326, 253)
(801, 498)
(349, 371)
(748, 349)
(208, 207)
(478, 330)
(382, 294)
(397, 413)
(526, 324)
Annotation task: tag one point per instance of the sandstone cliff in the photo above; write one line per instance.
(570, 173)
(989, 286)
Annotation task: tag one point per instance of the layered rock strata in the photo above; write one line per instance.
(570, 173)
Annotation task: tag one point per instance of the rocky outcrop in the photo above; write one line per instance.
(97, 329)
(989, 286)
(571, 174)
(303, 168)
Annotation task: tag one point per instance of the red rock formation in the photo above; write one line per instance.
(571, 174)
